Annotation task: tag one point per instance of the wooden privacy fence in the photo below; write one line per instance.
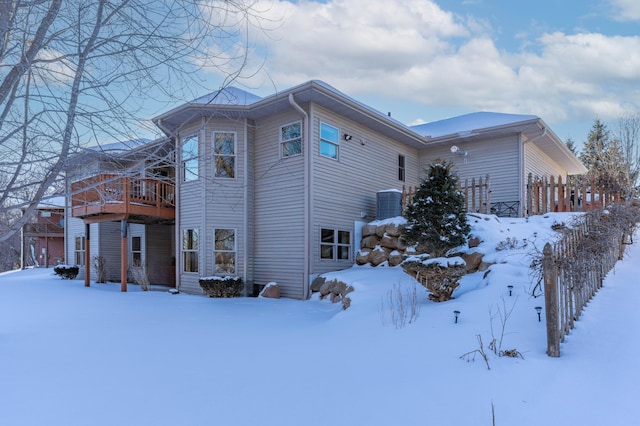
(476, 195)
(573, 271)
(552, 195)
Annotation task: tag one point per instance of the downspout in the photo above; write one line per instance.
(307, 211)
(245, 187)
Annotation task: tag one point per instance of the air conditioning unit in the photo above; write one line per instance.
(388, 204)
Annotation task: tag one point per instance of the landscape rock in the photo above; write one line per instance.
(271, 291)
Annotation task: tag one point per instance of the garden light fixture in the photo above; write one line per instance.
(539, 310)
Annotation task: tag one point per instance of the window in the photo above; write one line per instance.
(291, 140)
(335, 244)
(190, 158)
(329, 141)
(401, 169)
(136, 251)
(224, 155)
(190, 250)
(80, 250)
(224, 251)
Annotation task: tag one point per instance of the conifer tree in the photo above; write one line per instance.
(436, 218)
(603, 157)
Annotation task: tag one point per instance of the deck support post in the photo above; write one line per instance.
(87, 254)
(123, 255)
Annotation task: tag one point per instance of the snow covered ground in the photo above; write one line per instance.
(71, 355)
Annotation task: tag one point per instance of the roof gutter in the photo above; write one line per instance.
(307, 210)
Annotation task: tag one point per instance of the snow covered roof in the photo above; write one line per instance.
(53, 202)
(227, 96)
(120, 147)
(468, 123)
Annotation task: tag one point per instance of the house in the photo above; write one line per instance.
(508, 147)
(43, 236)
(120, 207)
(276, 189)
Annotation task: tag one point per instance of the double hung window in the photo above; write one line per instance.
(190, 245)
(224, 155)
(224, 251)
(291, 139)
(329, 141)
(189, 151)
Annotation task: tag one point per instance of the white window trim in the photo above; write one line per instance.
(235, 153)
(336, 245)
(282, 142)
(337, 143)
(183, 251)
(183, 175)
(234, 251)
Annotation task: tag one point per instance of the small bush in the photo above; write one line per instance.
(100, 266)
(140, 276)
(222, 287)
(66, 272)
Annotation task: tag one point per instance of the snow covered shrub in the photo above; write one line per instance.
(100, 266)
(140, 276)
(66, 272)
(222, 286)
(510, 244)
(400, 307)
(440, 276)
(436, 218)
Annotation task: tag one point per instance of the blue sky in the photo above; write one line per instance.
(568, 62)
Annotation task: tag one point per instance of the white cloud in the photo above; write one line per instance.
(414, 51)
(626, 10)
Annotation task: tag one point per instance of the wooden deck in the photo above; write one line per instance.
(109, 197)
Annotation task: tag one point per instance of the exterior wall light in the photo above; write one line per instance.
(347, 137)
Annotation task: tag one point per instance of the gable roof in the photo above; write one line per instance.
(227, 96)
(235, 103)
(244, 105)
(467, 124)
(483, 125)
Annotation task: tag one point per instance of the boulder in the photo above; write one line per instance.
(368, 229)
(389, 242)
(377, 256)
(394, 230)
(370, 242)
(380, 230)
(362, 257)
(272, 291)
(473, 261)
(474, 242)
(317, 283)
(395, 258)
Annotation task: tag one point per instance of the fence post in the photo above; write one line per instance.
(486, 187)
(550, 275)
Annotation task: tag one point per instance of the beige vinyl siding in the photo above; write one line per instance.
(498, 158)
(108, 247)
(278, 209)
(210, 202)
(223, 205)
(345, 188)
(191, 196)
(159, 249)
(74, 227)
(540, 164)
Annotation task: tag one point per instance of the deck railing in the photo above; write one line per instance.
(111, 189)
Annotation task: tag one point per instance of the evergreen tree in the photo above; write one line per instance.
(436, 219)
(603, 157)
(572, 146)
